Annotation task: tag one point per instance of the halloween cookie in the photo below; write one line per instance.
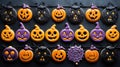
(7, 34)
(58, 14)
(93, 14)
(67, 34)
(10, 54)
(75, 14)
(110, 14)
(22, 34)
(25, 13)
(37, 34)
(82, 34)
(75, 54)
(8, 15)
(42, 55)
(42, 14)
(59, 54)
(112, 34)
(26, 54)
(52, 34)
(92, 54)
(108, 55)
(97, 34)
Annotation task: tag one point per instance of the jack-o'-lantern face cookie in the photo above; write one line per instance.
(59, 14)
(93, 14)
(7, 34)
(82, 34)
(52, 34)
(25, 13)
(26, 54)
(112, 34)
(37, 34)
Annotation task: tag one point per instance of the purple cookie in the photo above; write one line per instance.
(75, 54)
(67, 34)
(22, 34)
(10, 54)
(97, 34)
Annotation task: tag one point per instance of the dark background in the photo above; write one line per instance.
(30, 25)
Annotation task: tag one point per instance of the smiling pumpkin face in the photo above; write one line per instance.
(52, 34)
(92, 55)
(7, 34)
(58, 14)
(82, 34)
(25, 13)
(37, 34)
(93, 14)
(26, 54)
(59, 54)
(112, 34)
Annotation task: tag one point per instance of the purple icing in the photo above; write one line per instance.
(59, 7)
(75, 53)
(97, 34)
(25, 5)
(22, 34)
(60, 47)
(67, 34)
(93, 6)
(27, 47)
(8, 56)
(92, 47)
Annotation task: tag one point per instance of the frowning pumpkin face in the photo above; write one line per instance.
(25, 13)
(22, 34)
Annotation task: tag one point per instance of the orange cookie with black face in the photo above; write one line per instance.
(59, 54)
(25, 13)
(59, 14)
(37, 34)
(112, 34)
(52, 34)
(26, 54)
(93, 14)
(7, 34)
(82, 34)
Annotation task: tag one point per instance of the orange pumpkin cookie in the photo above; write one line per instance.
(25, 13)
(7, 34)
(112, 34)
(37, 34)
(92, 54)
(26, 54)
(52, 34)
(93, 14)
(59, 14)
(59, 54)
(82, 34)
